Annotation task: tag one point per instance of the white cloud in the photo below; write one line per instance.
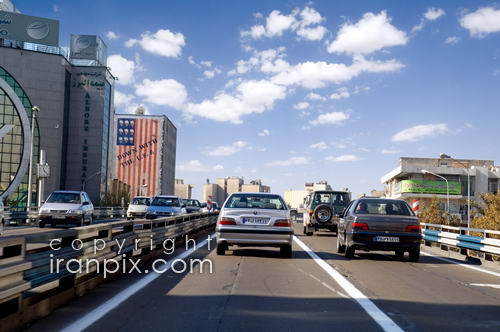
(319, 146)
(301, 106)
(131, 108)
(197, 166)
(226, 150)
(163, 42)
(316, 33)
(264, 132)
(482, 22)
(343, 158)
(267, 61)
(372, 33)
(112, 35)
(165, 92)
(55, 8)
(122, 99)
(276, 24)
(314, 96)
(309, 16)
(340, 94)
(452, 40)
(122, 68)
(433, 13)
(420, 131)
(388, 151)
(335, 118)
(313, 75)
(290, 162)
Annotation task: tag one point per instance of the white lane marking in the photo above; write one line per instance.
(99, 312)
(378, 315)
(461, 264)
(486, 285)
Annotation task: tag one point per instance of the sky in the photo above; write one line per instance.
(291, 91)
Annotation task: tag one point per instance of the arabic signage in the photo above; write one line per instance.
(88, 47)
(431, 187)
(30, 29)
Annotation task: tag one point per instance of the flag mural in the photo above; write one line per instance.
(138, 154)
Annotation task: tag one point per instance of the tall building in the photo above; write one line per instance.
(409, 182)
(223, 187)
(143, 154)
(255, 186)
(183, 190)
(74, 99)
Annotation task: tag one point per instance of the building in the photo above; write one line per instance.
(183, 190)
(316, 186)
(223, 187)
(143, 153)
(73, 92)
(408, 182)
(295, 198)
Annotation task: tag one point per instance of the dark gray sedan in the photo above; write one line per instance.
(379, 224)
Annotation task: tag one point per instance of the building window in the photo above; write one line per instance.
(493, 186)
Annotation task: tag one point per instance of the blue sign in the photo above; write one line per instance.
(125, 129)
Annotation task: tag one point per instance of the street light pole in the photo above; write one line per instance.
(34, 111)
(90, 177)
(447, 190)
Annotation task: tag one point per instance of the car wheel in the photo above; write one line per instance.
(82, 221)
(414, 255)
(286, 251)
(91, 220)
(340, 247)
(349, 251)
(400, 254)
(221, 249)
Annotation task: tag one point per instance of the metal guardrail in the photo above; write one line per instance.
(99, 213)
(460, 237)
(28, 279)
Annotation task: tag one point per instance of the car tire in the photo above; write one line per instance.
(323, 214)
(221, 249)
(286, 251)
(82, 222)
(340, 247)
(91, 220)
(400, 253)
(349, 251)
(414, 254)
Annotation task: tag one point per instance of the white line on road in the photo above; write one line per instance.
(462, 264)
(486, 285)
(99, 312)
(378, 315)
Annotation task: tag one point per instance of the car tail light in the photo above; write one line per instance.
(227, 221)
(282, 223)
(413, 228)
(360, 226)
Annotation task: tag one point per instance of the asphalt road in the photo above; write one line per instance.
(255, 289)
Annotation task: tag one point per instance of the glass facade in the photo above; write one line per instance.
(11, 145)
(105, 136)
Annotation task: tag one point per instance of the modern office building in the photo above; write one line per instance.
(143, 156)
(74, 96)
(424, 178)
(183, 190)
(223, 187)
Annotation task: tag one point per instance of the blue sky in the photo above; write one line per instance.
(297, 91)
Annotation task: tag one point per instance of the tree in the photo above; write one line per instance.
(487, 214)
(432, 214)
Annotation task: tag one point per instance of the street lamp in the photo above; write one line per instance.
(447, 189)
(34, 111)
(90, 177)
(445, 156)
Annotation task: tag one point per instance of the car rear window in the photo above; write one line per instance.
(383, 207)
(249, 201)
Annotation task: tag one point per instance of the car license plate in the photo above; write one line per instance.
(386, 239)
(255, 221)
(59, 216)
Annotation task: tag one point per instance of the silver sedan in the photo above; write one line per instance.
(254, 219)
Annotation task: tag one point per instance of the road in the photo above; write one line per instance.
(255, 289)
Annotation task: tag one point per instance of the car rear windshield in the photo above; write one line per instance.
(165, 201)
(341, 199)
(192, 202)
(383, 207)
(72, 198)
(140, 201)
(249, 201)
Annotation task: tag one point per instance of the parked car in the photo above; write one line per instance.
(192, 205)
(67, 207)
(322, 210)
(254, 219)
(165, 206)
(379, 224)
(137, 207)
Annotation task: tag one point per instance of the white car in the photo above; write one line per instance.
(254, 219)
(66, 207)
(137, 207)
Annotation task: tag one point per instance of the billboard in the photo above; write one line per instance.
(30, 29)
(88, 47)
(431, 187)
(137, 153)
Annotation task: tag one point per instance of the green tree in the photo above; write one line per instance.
(431, 214)
(487, 213)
